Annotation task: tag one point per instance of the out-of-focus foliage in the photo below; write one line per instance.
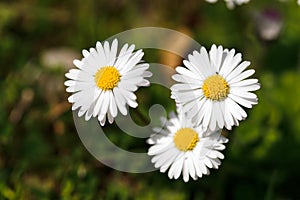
(41, 156)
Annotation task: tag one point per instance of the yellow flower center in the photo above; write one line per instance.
(215, 88)
(107, 78)
(185, 139)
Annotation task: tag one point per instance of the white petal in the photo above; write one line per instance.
(208, 111)
(216, 58)
(186, 79)
(227, 67)
(213, 55)
(113, 53)
(198, 118)
(90, 111)
(122, 51)
(102, 119)
(81, 96)
(120, 101)
(81, 113)
(110, 117)
(194, 69)
(244, 83)
(241, 101)
(176, 167)
(165, 156)
(234, 62)
(186, 72)
(185, 171)
(134, 81)
(158, 149)
(230, 63)
(238, 70)
(105, 104)
(236, 110)
(215, 162)
(199, 60)
(203, 167)
(171, 159)
(98, 104)
(127, 94)
(242, 76)
(227, 115)
(85, 53)
(184, 87)
(123, 58)
(112, 106)
(78, 63)
(147, 74)
(250, 88)
(78, 75)
(90, 99)
(196, 164)
(107, 52)
(218, 154)
(134, 73)
(188, 96)
(213, 118)
(93, 61)
(243, 94)
(101, 58)
(219, 115)
(135, 58)
(219, 147)
(126, 85)
(190, 165)
(197, 107)
(79, 86)
(132, 103)
(70, 83)
(144, 83)
(207, 162)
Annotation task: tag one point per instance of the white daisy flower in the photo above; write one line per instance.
(184, 148)
(106, 81)
(213, 86)
(231, 3)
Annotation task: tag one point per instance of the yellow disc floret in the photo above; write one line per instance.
(185, 139)
(215, 88)
(107, 78)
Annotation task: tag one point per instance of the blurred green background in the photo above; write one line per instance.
(41, 155)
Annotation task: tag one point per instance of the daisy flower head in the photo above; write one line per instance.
(213, 86)
(231, 3)
(184, 148)
(105, 81)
